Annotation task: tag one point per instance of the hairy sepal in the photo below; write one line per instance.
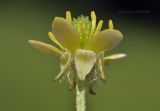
(84, 62)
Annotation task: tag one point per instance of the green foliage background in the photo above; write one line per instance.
(26, 74)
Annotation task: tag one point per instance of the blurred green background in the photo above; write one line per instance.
(133, 84)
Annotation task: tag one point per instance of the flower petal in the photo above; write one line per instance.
(46, 48)
(84, 62)
(105, 40)
(113, 57)
(65, 34)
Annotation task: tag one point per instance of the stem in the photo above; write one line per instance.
(80, 99)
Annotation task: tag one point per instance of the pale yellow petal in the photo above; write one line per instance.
(105, 40)
(114, 57)
(46, 48)
(65, 34)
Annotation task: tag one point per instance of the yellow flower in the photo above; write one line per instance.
(81, 48)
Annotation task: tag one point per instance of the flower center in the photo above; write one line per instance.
(83, 26)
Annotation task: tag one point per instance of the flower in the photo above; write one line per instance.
(81, 47)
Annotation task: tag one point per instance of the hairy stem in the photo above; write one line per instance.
(80, 99)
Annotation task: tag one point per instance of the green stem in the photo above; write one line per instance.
(80, 99)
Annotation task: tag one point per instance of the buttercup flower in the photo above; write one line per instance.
(81, 47)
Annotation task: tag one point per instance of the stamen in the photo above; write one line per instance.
(110, 24)
(93, 17)
(68, 16)
(98, 28)
(52, 37)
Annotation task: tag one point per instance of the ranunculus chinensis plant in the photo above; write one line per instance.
(81, 46)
